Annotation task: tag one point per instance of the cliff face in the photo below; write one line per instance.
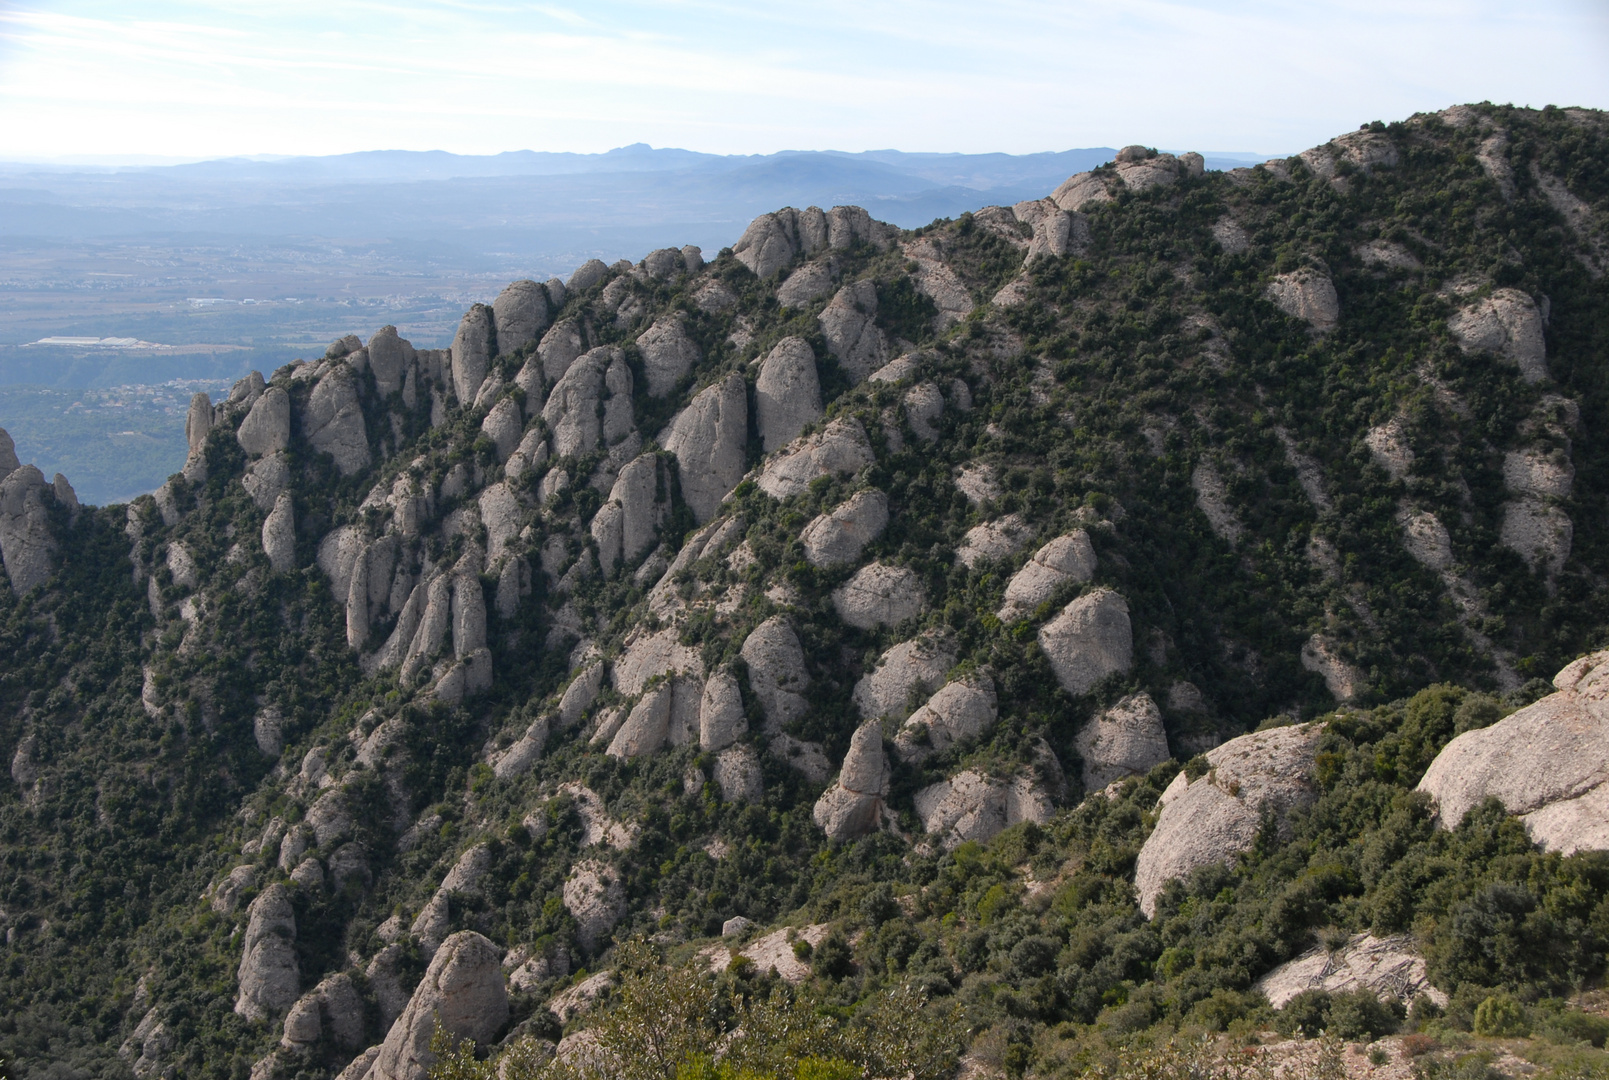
(625, 590)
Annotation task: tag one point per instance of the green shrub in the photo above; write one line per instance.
(1500, 1016)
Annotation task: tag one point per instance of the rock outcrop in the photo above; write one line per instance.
(595, 897)
(849, 323)
(880, 595)
(269, 976)
(591, 403)
(708, 438)
(668, 354)
(333, 421)
(267, 426)
(973, 806)
(961, 710)
(773, 241)
(560, 346)
(837, 537)
(853, 806)
(721, 720)
(777, 676)
(1127, 739)
(332, 1010)
(839, 449)
(279, 534)
(1508, 325)
(1309, 295)
(1063, 561)
(627, 526)
(27, 544)
(912, 667)
(1548, 763)
(1389, 968)
(519, 314)
(1090, 640)
(472, 350)
(1218, 815)
(992, 540)
(504, 427)
(737, 773)
(391, 358)
(787, 394)
(462, 991)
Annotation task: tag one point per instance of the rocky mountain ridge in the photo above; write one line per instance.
(668, 584)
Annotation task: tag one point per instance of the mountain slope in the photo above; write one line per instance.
(674, 593)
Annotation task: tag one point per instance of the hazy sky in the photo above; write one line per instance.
(171, 77)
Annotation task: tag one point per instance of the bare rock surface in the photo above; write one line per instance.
(472, 351)
(627, 526)
(974, 806)
(1090, 640)
(1309, 295)
(992, 540)
(525, 751)
(916, 666)
(267, 427)
(737, 773)
(777, 674)
(1548, 763)
(1081, 190)
(839, 449)
(708, 438)
(269, 976)
(853, 806)
(26, 542)
(961, 710)
(936, 281)
(668, 354)
(559, 348)
(333, 422)
(1507, 324)
(880, 595)
(1390, 968)
(1426, 539)
(1065, 560)
(1322, 656)
(390, 359)
(1212, 499)
(279, 534)
(647, 726)
(787, 394)
(595, 897)
(462, 991)
(714, 297)
(837, 537)
(848, 322)
(579, 695)
(650, 654)
(978, 482)
(1055, 231)
(591, 403)
(1217, 816)
(504, 427)
(1539, 531)
(1231, 236)
(587, 275)
(1127, 739)
(721, 720)
(520, 314)
(9, 462)
(809, 282)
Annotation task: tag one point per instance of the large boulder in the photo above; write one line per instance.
(849, 323)
(854, 805)
(839, 449)
(462, 991)
(472, 351)
(721, 719)
(1389, 968)
(627, 526)
(333, 421)
(587, 275)
(837, 537)
(1064, 560)
(777, 674)
(647, 727)
(650, 653)
(709, 439)
(265, 478)
(1127, 739)
(962, 710)
(591, 403)
(809, 282)
(519, 314)
(992, 540)
(738, 774)
(504, 426)
(773, 241)
(880, 595)
(9, 462)
(668, 354)
(974, 806)
(269, 976)
(267, 427)
(26, 542)
(1082, 190)
(1309, 295)
(1548, 763)
(1506, 324)
(912, 667)
(1090, 640)
(390, 359)
(787, 395)
(1219, 814)
(1055, 231)
(333, 1009)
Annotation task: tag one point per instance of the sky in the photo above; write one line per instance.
(106, 79)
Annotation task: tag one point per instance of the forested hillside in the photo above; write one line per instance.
(1001, 643)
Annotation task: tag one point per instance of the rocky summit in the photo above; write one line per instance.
(1130, 608)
